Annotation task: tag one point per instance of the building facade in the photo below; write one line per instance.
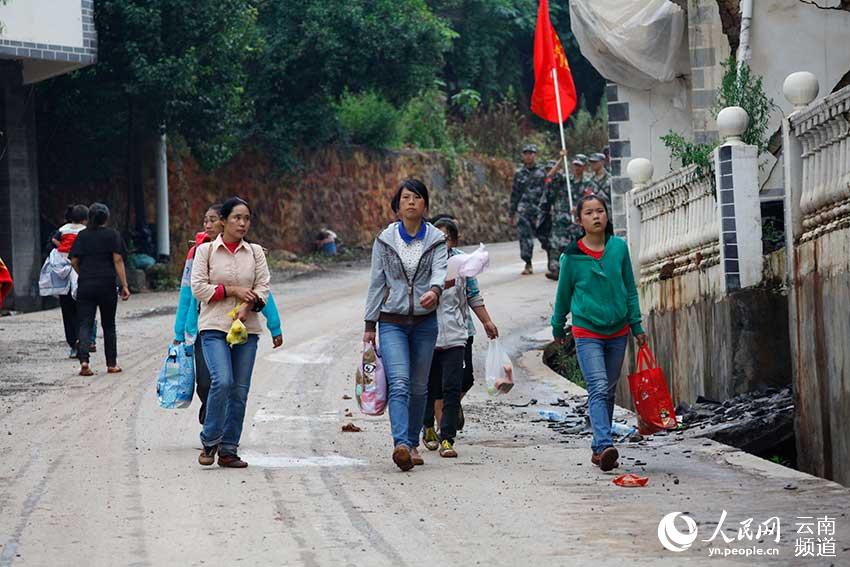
(39, 39)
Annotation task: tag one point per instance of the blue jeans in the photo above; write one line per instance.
(230, 377)
(406, 351)
(600, 361)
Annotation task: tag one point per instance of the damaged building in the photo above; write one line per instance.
(745, 263)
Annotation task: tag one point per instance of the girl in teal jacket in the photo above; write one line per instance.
(186, 322)
(596, 284)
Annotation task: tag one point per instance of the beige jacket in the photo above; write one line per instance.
(214, 265)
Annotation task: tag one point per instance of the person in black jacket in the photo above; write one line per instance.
(98, 257)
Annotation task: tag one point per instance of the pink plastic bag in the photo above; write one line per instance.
(370, 387)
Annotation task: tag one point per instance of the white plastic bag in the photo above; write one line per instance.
(499, 370)
(468, 265)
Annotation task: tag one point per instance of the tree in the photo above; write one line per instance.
(180, 63)
(319, 49)
(494, 49)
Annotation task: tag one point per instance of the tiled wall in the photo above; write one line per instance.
(621, 150)
(85, 55)
(708, 47)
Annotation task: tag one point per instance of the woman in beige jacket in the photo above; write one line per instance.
(228, 272)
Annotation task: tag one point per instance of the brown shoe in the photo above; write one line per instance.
(114, 369)
(207, 456)
(552, 276)
(608, 459)
(402, 458)
(529, 269)
(416, 458)
(596, 458)
(231, 462)
(85, 370)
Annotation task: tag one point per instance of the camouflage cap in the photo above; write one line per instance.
(529, 148)
(580, 159)
(596, 157)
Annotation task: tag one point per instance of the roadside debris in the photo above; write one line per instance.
(630, 480)
(346, 397)
(754, 422)
(351, 428)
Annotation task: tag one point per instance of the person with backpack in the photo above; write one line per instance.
(447, 378)
(408, 272)
(229, 275)
(186, 321)
(597, 285)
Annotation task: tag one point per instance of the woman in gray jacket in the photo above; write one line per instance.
(409, 262)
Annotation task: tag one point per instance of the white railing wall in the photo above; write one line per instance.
(823, 131)
(679, 223)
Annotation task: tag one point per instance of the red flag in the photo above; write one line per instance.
(549, 54)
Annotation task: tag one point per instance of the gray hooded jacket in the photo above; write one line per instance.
(390, 291)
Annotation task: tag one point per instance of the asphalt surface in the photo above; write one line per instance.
(95, 473)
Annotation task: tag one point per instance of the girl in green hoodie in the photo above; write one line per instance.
(597, 285)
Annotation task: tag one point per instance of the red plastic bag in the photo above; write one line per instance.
(652, 399)
(630, 480)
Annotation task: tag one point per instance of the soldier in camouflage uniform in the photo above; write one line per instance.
(564, 228)
(529, 206)
(579, 179)
(600, 178)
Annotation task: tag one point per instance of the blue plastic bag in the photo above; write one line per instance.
(175, 385)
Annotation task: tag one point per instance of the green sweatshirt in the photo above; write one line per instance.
(601, 294)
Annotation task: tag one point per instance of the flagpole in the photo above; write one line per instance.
(563, 138)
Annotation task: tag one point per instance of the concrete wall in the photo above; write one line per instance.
(714, 344)
(19, 226)
(820, 335)
(789, 36)
(636, 121)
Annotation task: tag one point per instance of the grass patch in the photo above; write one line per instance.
(562, 359)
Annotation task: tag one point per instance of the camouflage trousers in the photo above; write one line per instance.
(527, 230)
(564, 233)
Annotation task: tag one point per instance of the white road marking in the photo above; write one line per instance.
(285, 462)
(263, 416)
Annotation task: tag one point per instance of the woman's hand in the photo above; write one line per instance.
(491, 330)
(641, 340)
(277, 341)
(369, 337)
(244, 294)
(125, 293)
(243, 312)
(429, 300)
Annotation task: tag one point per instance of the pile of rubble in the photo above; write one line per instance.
(754, 422)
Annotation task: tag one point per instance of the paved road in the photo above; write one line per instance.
(95, 473)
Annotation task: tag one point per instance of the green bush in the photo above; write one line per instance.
(367, 118)
(423, 121)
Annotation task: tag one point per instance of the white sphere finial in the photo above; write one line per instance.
(639, 171)
(732, 122)
(800, 88)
